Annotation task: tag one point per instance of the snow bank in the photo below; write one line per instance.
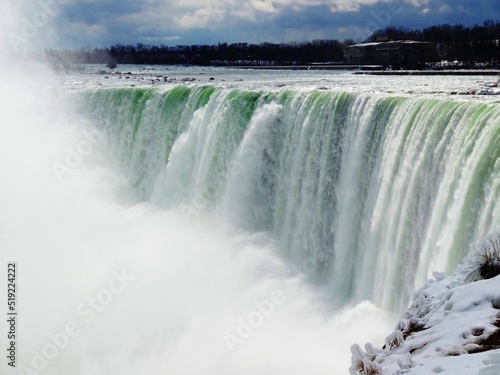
(452, 326)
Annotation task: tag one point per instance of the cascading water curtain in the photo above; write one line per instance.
(375, 191)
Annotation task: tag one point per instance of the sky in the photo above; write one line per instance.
(38, 24)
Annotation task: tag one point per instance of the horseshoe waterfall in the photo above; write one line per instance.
(371, 191)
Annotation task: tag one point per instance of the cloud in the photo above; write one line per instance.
(210, 14)
(445, 8)
(164, 39)
(207, 16)
(196, 14)
(105, 22)
(263, 6)
(83, 30)
(345, 7)
(418, 3)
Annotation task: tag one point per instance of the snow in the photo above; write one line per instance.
(489, 91)
(444, 329)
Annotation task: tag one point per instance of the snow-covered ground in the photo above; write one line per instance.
(452, 326)
(458, 88)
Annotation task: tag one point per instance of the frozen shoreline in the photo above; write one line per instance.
(452, 326)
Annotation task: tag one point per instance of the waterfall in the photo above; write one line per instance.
(375, 191)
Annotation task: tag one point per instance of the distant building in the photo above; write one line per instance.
(398, 53)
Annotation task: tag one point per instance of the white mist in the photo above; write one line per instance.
(185, 287)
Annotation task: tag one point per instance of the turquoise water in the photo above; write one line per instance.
(376, 190)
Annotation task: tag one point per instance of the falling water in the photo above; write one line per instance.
(375, 191)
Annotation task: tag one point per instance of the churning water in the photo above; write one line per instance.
(221, 229)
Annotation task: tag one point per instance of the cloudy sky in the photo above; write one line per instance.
(74, 23)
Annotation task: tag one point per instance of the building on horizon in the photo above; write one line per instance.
(409, 54)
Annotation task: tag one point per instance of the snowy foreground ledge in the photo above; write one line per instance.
(452, 326)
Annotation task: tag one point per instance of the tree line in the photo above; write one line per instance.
(321, 51)
(472, 45)
(476, 44)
